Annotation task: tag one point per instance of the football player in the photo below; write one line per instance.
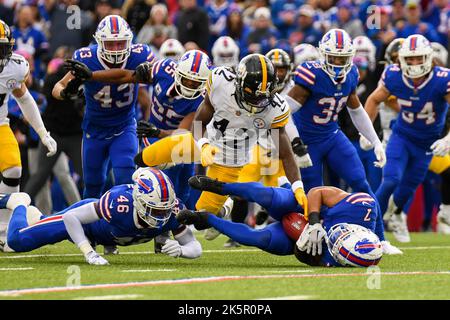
(109, 125)
(422, 92)
(323, 88)
(171, 49)
(14, 71)
(225, 52)
(125, 215)
(291, 234)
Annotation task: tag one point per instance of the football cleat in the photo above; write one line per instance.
(443, 219)
(389, 249)
(205, 183)
(198, 218)
(211, 234)
(110, 250)
(231, 244)
(13, 200)
(400, 228)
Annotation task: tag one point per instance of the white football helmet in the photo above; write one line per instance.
(337, 53)
(225, 52)
(354, 245)
(416, 45)
(194, 66)
(365, 47)
(153, 196)
(305, 52)
(171, 48)
(440, 53)
(114, 38)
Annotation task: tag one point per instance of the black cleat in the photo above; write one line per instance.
(261, 217)
(205, 183)
(198, 218)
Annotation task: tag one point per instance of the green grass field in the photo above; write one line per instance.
(59, 272)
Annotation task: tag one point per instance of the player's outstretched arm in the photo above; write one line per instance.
(378, 96)
(31, 113)
(74, 220)
(185, 245)
(296, 97)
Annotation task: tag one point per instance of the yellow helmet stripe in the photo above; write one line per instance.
(276, 55)
(264, 73)
(2, 31)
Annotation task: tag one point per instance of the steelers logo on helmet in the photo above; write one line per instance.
(392, 50)
(191, 74)
(283, 66)
(256, 82)
(6, 44)
(337, 53)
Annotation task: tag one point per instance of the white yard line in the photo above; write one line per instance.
(16, 269)
(149, 270)
(286, 271)
(20, 292)
(290, 298)
(112, 297)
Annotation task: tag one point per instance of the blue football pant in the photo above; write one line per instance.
(49, 230)
(179, 175)
(120, 149)
(406, 168)
(342, 158)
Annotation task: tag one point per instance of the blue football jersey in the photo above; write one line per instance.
(119, 224)
(168, 111)
(317, 118)
(357, 208)
(110, 107)
(423, 109)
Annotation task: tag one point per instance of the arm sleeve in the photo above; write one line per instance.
(76, 217)
(190, 247)
(362, 122)
(291, 129)
(31, 113)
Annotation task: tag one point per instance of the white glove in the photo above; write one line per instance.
(172, 248)
(50, 143)
(381, 156)
(441, 147)
(94, 258)
(311, 239)
(364, 143)
(303, 161)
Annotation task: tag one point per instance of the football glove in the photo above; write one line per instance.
(302, 158)
(208, 153)
(78, 69)
(300, 196)
(172, 248)
(441, 147)
(49, 142)
(72, 91)
(147, 129)
(143, 72)
(94, 258)
(380, 155)
(311, 239)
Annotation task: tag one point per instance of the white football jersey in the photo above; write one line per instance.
(11, 78)
(234, 130)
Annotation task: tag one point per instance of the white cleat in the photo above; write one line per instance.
(389, 213)
(18, 199)
(389, 249)
(400, 228)
(443, 219)
(211, 234)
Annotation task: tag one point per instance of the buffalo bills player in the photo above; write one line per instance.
(109, 123)
(322, 89)
(125, 215)
(341, 209)
(423, 94)
(177, 93)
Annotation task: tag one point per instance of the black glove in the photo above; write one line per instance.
(78, 69)
(72, 91)
(146, 129)
(143, 72)
(198, 218)
(299, 148)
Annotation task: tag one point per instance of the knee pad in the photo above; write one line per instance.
(11, 176)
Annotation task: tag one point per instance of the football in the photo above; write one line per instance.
(293, 224)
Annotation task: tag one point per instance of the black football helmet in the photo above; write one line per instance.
(6, 44)
(256, 82)
(392, 49)
(283, 66)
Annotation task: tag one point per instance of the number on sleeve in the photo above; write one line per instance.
(367, 217)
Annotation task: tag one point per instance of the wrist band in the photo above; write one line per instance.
(313, 217)
(297, 184)
(201, 142)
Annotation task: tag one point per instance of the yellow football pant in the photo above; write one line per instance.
(439, 164)
(9, 149)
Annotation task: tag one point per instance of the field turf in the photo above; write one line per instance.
(59, 272)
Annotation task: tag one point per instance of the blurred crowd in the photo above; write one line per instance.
(48, 31)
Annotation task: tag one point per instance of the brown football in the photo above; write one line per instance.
(293, 224)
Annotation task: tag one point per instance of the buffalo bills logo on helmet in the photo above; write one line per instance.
(145, 185)
(185, 56)
(365, 246)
